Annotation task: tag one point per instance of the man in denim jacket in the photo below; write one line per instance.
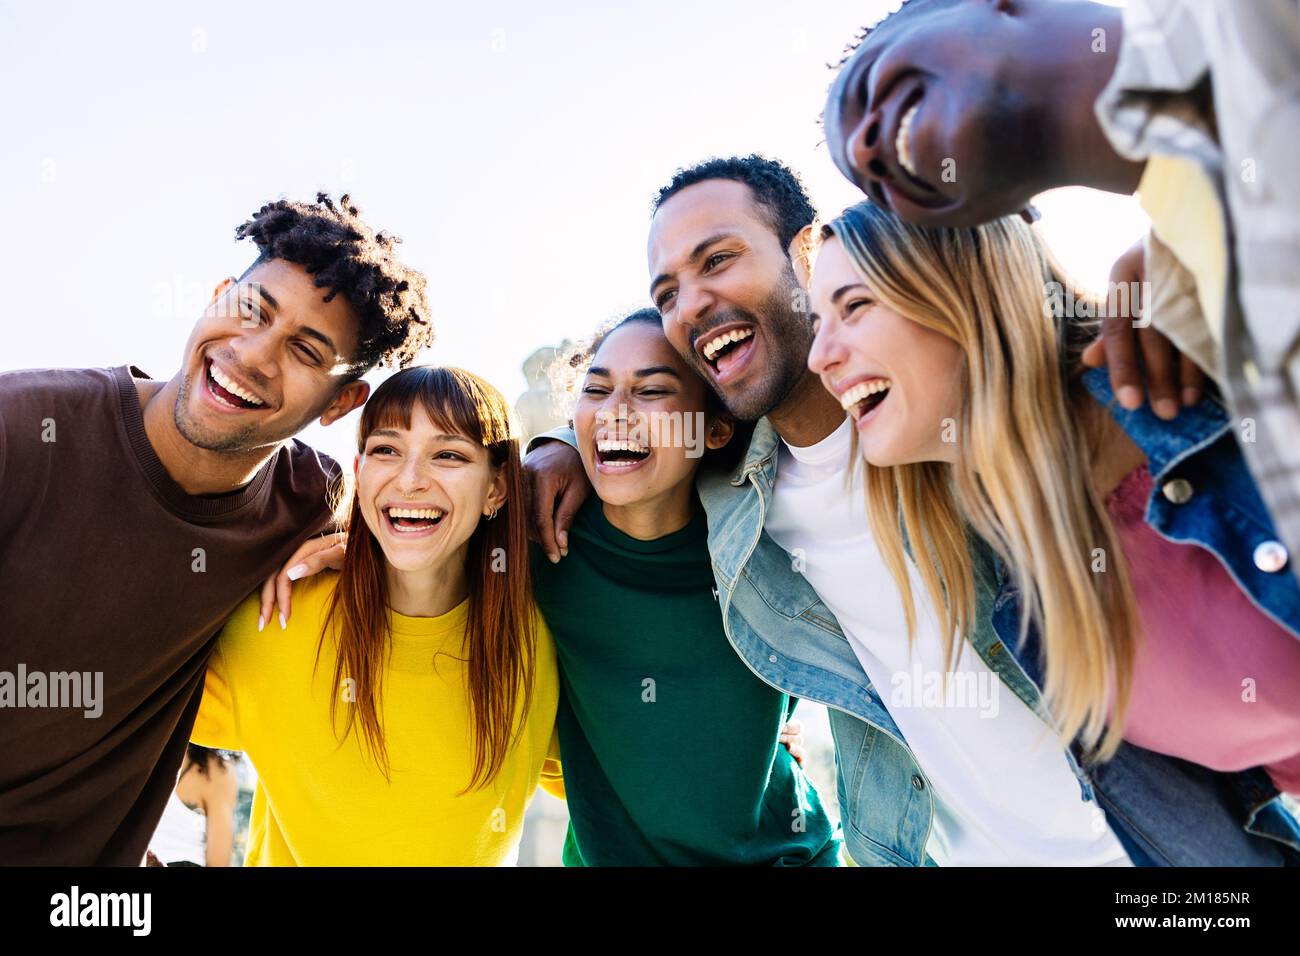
(721, 252)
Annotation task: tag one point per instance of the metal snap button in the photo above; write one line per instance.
(1271, 556)
(918, 782)
(772, 658)
(1178, 490)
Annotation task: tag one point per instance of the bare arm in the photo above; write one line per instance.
(219, 796)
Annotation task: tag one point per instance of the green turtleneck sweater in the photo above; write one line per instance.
(668, 740)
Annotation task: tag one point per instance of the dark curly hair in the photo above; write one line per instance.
(776, 188)
(346, 256)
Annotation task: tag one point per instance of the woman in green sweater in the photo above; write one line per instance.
(669, 743)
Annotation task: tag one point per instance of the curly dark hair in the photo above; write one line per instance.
(776, 188)
(346, 256)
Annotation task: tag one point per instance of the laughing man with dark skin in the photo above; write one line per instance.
(138, 514)
(957, 112)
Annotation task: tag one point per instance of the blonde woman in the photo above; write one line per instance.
(1128, 558)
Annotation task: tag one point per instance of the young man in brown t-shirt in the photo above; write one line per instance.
(135, 515)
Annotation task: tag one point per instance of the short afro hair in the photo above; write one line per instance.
(346, 256)
(776, 188)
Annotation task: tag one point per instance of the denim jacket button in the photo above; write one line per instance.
(1271, 556)
(772, 658)
(918, 782)
(1179, 490)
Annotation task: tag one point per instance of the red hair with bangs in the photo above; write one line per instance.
(500, 638)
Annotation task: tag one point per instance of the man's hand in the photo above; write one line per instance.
(313, 555)
(557, 487)
(1169, 374)
(792, 739)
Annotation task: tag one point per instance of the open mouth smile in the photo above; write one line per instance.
(865, 398)
(727, 351)
(619, 457)
(412, 522)
(226, 391)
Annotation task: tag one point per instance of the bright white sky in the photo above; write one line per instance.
(514, 146)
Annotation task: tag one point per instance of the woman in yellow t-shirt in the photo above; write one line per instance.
(405, 715)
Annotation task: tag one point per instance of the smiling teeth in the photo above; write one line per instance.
(863, 390)
(903, 144)
(432, 514)
(622, 446)
(230, 386)
(735, 335)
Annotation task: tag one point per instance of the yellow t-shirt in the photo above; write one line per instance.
(322, 801)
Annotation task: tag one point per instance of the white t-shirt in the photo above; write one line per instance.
(1004, 793)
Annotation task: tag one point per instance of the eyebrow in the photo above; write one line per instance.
(307, 330)
(693, 257)
(639, 373)
(392, 433)
(844, 290)
(270, 299)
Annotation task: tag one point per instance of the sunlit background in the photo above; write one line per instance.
(514, 146)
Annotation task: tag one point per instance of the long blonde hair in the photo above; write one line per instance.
(1022, 477)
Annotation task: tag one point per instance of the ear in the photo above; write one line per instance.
(356, 467)
(800, 252)
(721, 428)
(353, 395)
(222, 288)
(497, 493)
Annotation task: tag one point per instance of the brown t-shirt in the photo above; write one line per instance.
(108, 567)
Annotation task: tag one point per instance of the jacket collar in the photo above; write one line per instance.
(1164, 443)
(762, 448)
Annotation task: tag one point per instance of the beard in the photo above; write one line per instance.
(788, 335)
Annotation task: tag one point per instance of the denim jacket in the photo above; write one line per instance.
(1167, 811)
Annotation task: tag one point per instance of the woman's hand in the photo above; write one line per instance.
(313, 555)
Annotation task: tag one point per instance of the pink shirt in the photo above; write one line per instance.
(1216, 681)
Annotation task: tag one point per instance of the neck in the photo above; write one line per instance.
(428, 592)
(808, 414)
(655, 517)
(198, 471)
(1078, 152)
